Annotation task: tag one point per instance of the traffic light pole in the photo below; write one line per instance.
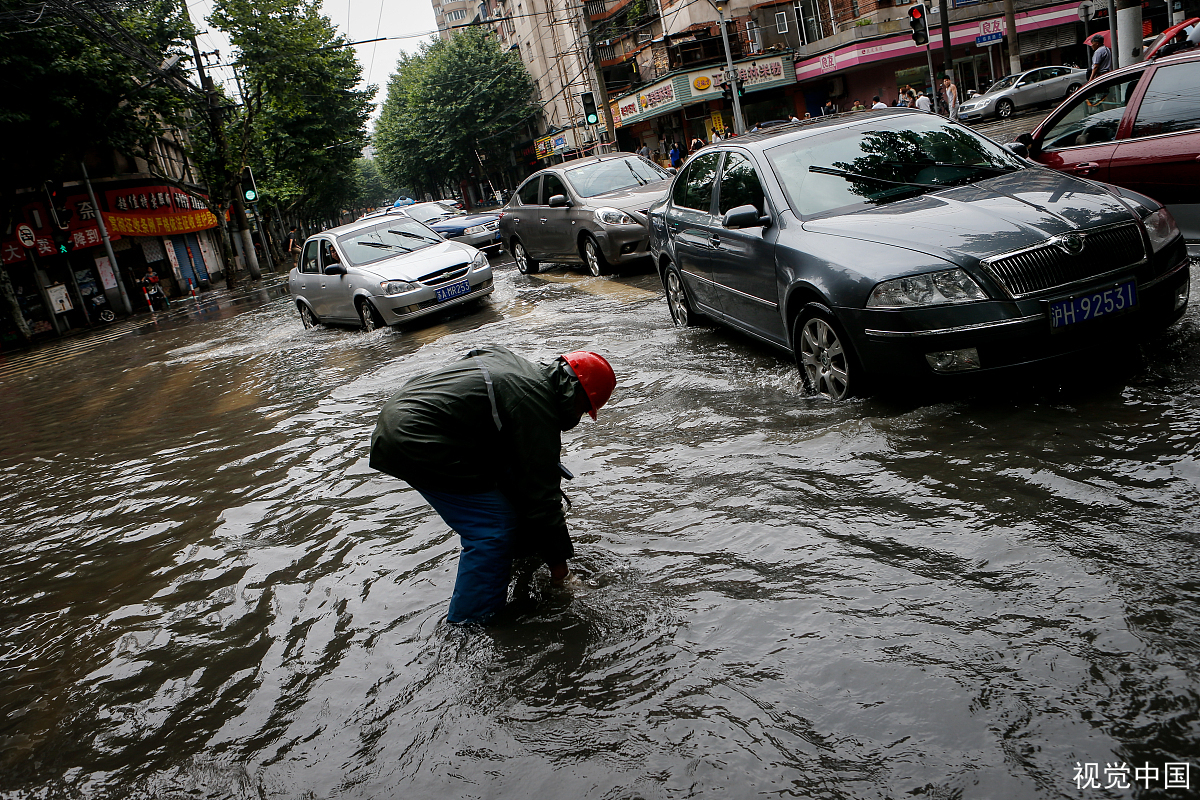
(932, 78)
(739, 124)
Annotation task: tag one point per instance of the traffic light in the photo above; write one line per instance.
(590, 114)
(249, 189)
(741, 87)
(727, 91)
(59, 213)
(919, 24)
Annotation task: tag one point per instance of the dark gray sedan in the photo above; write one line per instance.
(590, 211)
(898, 244)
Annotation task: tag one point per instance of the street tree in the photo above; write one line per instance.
(449, 105)
(298, 80)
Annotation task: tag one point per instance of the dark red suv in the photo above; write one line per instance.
(1137, 127)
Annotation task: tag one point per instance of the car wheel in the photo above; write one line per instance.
(597, 264)
(677, 299)
(369, 316)
(307, 317)
(1073, 88)
(1004, 109)
(823, 354)
(525, 264)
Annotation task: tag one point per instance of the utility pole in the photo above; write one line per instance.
(1114, 48)
(112, 257)
(739, 124)
(1014, 49)
(1129, 20)
(218, 133)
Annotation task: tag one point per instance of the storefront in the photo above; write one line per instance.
(880, 66)
(690, 104)
(65, 278)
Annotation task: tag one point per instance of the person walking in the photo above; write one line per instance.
(480, 440)
(644, 150)
(924, 103)
(1101, 57)
(676, 156)
(951, 99)
(292, 245)
(696, 144)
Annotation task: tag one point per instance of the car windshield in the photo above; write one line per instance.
(386, 238)
(431, 213)
(614, 174)
(888, 159)
(1003, 84)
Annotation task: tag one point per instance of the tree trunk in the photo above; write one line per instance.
(14, 306)
(243, 226)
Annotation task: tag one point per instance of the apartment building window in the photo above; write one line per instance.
(854, 8)
(595, 7)
(752, 35)
(781, 22)
(455, 16)
(607, 52)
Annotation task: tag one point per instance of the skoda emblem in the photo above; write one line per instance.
(1072, 244)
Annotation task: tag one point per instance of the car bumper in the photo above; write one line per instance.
(481, 241)
(624, 243)
(1006, 335)
(405, 308)
(975, 114)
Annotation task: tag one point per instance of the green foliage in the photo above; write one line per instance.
(68, 89)
(453, 98)
(309, 121)
(370, 189)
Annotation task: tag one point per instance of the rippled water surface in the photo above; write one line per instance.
(206, 592)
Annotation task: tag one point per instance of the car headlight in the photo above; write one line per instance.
(396, 287)
(930, 289)
(475, 229)
(1161, 228)
(479, 261)
(614, 216)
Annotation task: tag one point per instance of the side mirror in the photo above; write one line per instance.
(1031, 147)
(746, 216)
(1017, 148)
(559, 201)
(335, 269)
(672, 170)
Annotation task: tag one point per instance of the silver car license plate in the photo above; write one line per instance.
(453, 290)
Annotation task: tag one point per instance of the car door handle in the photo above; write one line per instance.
(1085, 167)
(543, 220)
(714, 240)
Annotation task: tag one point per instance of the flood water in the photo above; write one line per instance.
(206, 592)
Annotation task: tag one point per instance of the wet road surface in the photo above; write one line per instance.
(206, 592)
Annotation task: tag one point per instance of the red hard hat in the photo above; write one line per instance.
(595, 375)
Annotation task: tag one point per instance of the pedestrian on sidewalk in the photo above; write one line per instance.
(480, 440)
(1101, 57)
(951, 99)
(292, 246)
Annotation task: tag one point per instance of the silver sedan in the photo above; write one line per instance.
(384, 270)
(1044, 85)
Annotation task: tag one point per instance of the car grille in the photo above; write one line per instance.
(492, 226)
(1049, 266)
(445, 275)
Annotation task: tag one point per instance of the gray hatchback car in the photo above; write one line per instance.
(384, 270)
(898, 246)
(590, 211)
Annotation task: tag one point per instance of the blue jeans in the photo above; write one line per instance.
(485, 523)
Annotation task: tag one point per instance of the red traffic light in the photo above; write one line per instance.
(916, 13)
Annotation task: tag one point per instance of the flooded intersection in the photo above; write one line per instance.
(207, 592)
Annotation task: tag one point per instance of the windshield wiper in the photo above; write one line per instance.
(385, 245)
(636, 177)
(841, 173)
(414, 236)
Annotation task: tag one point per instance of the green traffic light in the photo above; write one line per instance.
(250, 195)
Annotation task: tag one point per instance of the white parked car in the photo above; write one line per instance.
(1044, 85)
